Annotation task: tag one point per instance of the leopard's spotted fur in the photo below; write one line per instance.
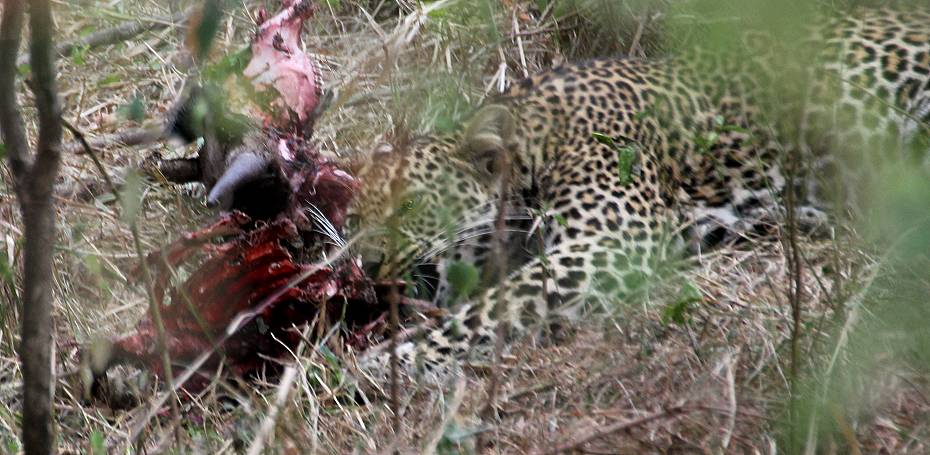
(706, 154)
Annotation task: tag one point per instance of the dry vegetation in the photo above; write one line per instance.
(658, 376)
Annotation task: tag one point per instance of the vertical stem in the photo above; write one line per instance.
(155, 313)
(11, 122)
(394, 299)
(795, 283)
(154, 309)
(500, 236)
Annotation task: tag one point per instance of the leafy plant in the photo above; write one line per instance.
(679, 312)
(463, 277)
(97, 443)
(78, 54)
(133, 111)
(627, 157)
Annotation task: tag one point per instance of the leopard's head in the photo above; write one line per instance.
(420, 197)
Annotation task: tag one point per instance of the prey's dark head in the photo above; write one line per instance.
(237, 161)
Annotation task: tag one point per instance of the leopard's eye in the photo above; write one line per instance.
(352, 221)
(411, 202)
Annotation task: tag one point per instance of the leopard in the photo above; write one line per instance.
(582, 179)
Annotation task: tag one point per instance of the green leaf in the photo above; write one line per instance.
(706, 141)
(97, 443)
(2, 151)
(648, 112)
(134, 111)
(733, 128)
(439, 13)
(679, 312)
(626, 157)
(131, 197)
(87, 30)
(603, 139)
(111, 79)
(24, 69)
(331, 358)
(77, 55)
(626, 160)
(463, 277)
(93, 265)
(231, 65)
(560, 219)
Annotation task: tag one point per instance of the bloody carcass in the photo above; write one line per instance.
(274, 260)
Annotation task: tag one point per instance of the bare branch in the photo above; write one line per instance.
(138, 136)
(11, 122)
(48, 153)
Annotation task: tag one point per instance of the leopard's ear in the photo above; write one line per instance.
(488, 134)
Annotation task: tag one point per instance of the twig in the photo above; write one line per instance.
(855, 303)
(395, 389)
(139, 136)
(500, 237)
(82, 141)
(635, 45)
(121, 32)
(795, 286)
(619, 426)
(154, 308)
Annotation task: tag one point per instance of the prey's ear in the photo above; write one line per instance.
(489, 134)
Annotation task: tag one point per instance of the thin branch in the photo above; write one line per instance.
(119, 33)
(93, 157)
(503, 165)
(154, 309)
(139, 136)
(11, 122)
(394, 299)
(795, 285)
(48, 153)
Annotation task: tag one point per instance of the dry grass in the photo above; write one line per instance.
(716, 383)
